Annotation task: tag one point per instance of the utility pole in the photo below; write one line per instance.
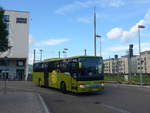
(85, 52)
(98, 36)
(59, 54)
(109, 65)
(41, 54)
(5, 74)
(94, 31)
(34, 56)
(141, 77)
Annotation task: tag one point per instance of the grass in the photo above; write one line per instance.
(134, 79)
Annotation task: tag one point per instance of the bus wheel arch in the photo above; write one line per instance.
(63, 87)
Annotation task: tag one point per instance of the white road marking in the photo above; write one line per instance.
(114, 108)
(43, 104)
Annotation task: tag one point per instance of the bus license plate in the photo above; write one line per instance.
(94, 89)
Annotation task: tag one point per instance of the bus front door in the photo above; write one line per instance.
(46, 79)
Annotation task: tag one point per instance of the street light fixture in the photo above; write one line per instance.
(141, 79)
(98, 36)
(65, 52)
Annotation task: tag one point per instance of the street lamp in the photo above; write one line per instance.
(65, 52)
(141, 79)
(98, 36)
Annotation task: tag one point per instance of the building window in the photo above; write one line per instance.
(20, 63)
(21, 20)
(6, 18)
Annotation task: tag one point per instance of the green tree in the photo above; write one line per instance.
(4, 46)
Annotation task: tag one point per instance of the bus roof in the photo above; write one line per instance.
(58, 59)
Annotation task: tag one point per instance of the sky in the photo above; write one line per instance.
(59, 24)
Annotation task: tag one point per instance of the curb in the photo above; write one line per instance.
(43, 104)
(137, 86)
(128, 85)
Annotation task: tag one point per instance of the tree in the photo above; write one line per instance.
(4, 46)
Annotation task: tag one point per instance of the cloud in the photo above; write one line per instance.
(52, 42)
(114, 33)
(124, 48)
(144, 47)
(84, 20)
(89, 3)
(118, 48)
(132, 32)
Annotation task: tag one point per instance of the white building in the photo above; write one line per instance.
(145, 62)
(18, 27)
(124, 65)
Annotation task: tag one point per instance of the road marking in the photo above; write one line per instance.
(43, 104)
(114, 108)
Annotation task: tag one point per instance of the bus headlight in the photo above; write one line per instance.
(82, 86)
(102, 84)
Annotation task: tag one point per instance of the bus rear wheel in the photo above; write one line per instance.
(63, 87)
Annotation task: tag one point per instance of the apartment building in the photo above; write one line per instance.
(122, 65)
(145, 62)
(18, 28)
(127, 64)
(108, 66)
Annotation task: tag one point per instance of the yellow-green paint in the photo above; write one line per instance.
(38, 78)
(55, 78)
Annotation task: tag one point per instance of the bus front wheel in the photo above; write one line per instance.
(63, 87)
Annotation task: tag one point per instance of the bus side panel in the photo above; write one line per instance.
(56, 78)
(38, 76)
(53, 79)
(49, 80)
(66, 79)
(73, 85)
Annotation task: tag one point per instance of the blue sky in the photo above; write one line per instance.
(59, 24)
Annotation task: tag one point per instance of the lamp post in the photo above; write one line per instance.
(41, 54)
(94, 31)
(141, 78)
(34, 52)
(59, 54)
(5, 74)
(98, 36)
(6, 70)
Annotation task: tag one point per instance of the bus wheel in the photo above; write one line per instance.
(63, 87)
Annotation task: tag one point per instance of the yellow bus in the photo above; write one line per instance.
(75, 74)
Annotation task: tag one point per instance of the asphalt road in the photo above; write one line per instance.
(114, 99)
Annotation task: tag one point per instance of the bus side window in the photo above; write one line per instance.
(50, 66)
(58, 66)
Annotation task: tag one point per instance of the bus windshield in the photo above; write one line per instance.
(90, 66)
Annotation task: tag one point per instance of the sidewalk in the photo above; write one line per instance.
(20, 102)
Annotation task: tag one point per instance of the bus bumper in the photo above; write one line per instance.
(90, 88)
